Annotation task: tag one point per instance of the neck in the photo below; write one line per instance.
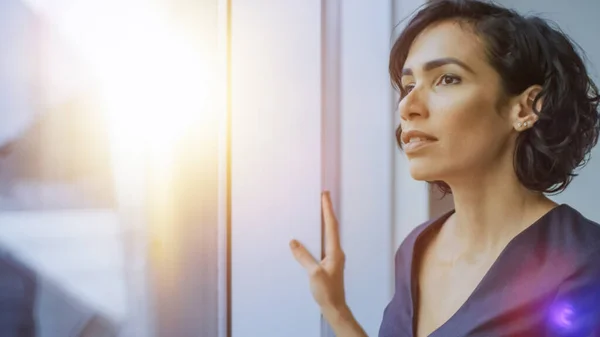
(489, 210)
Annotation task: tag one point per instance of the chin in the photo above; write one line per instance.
(423, 170)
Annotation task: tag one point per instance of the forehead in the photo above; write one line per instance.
(446, 39)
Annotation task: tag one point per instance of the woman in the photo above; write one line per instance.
(496, 109)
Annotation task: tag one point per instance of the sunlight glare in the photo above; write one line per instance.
(154, 84)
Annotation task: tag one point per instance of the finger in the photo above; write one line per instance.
(332, 237)
(303, 256)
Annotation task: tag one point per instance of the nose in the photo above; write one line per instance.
(413, 105)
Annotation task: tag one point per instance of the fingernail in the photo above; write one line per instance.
(294, 244)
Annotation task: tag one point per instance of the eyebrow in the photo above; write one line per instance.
(438, 63)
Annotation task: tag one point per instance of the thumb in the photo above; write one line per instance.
(303, 257)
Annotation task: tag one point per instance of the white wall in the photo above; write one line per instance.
(579, 19)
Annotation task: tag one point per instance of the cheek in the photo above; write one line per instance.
(470, 130)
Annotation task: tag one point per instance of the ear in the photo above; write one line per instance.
(523, 115)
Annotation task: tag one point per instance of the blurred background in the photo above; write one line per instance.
(156, 156)
(107, 111)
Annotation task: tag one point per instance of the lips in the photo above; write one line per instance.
(416, 136)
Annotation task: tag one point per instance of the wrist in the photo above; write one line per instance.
(338, 315)
(343, 322)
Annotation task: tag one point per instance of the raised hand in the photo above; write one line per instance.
(327, 276)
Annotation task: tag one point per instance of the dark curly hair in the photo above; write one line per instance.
(525, 51)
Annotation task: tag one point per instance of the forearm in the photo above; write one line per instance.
(343, 323)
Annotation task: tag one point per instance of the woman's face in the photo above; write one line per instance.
(453, 97)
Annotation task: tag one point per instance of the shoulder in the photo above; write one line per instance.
(573, 234)
(577, 238)
(561, 243)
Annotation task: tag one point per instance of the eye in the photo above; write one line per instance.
(449, 79)
(407, 89)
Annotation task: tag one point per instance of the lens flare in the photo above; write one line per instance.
(563, 315)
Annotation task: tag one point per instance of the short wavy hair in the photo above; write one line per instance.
(525, 51)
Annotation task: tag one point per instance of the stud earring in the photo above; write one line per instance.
(519, 125)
